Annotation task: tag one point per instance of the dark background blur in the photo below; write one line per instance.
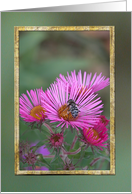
(86, 51)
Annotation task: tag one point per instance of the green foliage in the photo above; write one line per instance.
(42, 160)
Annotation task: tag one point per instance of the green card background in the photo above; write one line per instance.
(121, 182)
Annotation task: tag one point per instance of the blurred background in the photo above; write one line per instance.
(44, 55)
(88, 52)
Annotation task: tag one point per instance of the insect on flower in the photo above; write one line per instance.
(63, 107)
(73, 108)
(70, 110)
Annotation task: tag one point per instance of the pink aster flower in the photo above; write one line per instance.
(31, 107)
(55, 101)
(30, 157)
(56, 140)
(41, 150)
(95, 136)
(103, 120)
(96, 83)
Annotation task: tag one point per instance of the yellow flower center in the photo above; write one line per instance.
(83, 89)
(95, 133)
(64, 112)
(37, 112)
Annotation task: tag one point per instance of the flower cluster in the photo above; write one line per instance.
(69, 101)
(30, 156)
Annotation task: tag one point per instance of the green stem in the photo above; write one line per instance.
(74, 141)
(48, 127)
(72, 153)
(48, 156)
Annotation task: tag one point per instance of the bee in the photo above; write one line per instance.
(73, 108)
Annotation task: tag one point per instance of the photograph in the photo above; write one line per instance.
(64, 100)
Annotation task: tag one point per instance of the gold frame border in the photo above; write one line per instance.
(112, 97)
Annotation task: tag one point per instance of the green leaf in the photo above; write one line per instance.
(40, 143)
(55, 158)
(33, 148)
(56, 163)
(22, 166)
(84, 162)
(69, 136)
(76, 156)
(87, 155)
(40, 158)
